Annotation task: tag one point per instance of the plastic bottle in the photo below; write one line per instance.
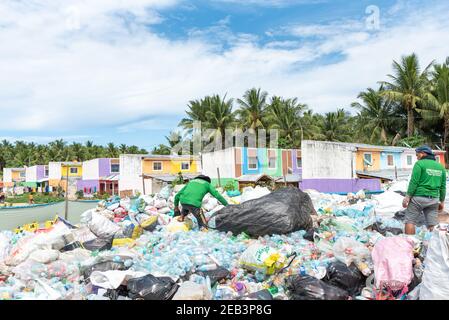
(208, 267)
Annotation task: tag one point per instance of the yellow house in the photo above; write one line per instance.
(59, 171)
(170, 164)
(368, 159)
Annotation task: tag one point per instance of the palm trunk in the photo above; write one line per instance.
(410, 121)
(383, 135)
(445, 138)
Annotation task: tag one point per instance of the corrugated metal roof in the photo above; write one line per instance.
(387, 174)
(170, 177)
(170, 157)
(112, 177)
(254, 177)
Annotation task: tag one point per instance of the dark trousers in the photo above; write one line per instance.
(186, 209)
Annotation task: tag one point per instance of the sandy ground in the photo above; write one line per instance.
(443, 217)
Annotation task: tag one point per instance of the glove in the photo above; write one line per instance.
(405, 202)
(441, 206)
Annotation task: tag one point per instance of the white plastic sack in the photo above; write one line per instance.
(399, 186)
(160, 203)
(149, 200)
(178, 187)
(258, 257)
(250, 193)
(210, 204)
(190, 291)
(4, 247)
(435, 280)
(125, 203)
(112, 279)
(101, 226)
(165, 192)
(388, 203)
(164, 210)
(348, 250)
(22, 250)
(44, 256)
(114, 206)
(83, 234)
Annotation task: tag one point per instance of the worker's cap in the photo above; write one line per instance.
(205, 178)
(424, 149)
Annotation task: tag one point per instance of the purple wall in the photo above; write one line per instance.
(295, 168)
(104, 165)
(341, 185)
(40, 172)
(81, 184)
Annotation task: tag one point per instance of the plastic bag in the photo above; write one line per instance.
(99, 225)
(164, 210)
(44, 255)
(282, 211)
(98, 244)
(259, 295)
(21, 251)
(160, 203)
(190, 291)
(250, 193)
(435, 280)
(176, 226)
(310, 288)
(215, 275)
(83, 234)
(393, 258)
(165, 192)
(150, 287)
(112, 279)
(103, 266)
(150, 223)
(348, 250)
(347, 278)
(262, 258)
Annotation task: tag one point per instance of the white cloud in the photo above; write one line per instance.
(271, 3)
(108, 72)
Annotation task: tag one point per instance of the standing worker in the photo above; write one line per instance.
(426, 191)
(191, 198)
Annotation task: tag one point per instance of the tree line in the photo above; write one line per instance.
(20, 153)
(409, 108)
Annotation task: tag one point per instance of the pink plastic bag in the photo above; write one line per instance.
(393, 257)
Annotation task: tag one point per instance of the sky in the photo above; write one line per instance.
(124, 71)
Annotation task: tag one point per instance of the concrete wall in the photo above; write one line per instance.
(54, 170)
(104, 167)
(296, 154)
(91, 169)
(130, 173)
(40, 172)
(31, 174)
(7, 175)
(341, 185)
(223, 159)
(404, 159)
(322, 160)
(94, 185)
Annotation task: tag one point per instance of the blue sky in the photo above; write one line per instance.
(124, 71)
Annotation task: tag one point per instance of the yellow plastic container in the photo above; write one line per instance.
(122, 242)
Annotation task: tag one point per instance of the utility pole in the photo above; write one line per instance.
(66, 193)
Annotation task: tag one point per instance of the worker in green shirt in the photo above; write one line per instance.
(191, 198)
(426, 191)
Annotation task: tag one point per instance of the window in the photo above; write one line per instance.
(185, 166)
(390, 160)
(157, 166)
(299, 162)
(252, 163)
(271, 159)
(409, 160)
(115, 168)
(46, 171)
(368, 159)
(74, 170)
(438, 158)
(22, 174)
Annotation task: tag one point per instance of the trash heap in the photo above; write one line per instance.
(285, 244)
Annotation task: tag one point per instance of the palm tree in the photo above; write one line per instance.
(376, 112)
(436, 99)
(123, 148)
(219, 116)
(196, 112)
(111, 150)
(252, 108)
(334, 126)
(285, 115)
(407, 86)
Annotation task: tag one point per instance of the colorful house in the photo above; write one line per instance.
(147, 174)
(36, 178)
(60, 172)
(13, 177)
(242, 164)
(100, 175)
(350, 167)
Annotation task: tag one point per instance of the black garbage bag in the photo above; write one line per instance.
(309, 235)
(104, 266)
(150, 287)
(215, 275)
(99, 244)
(259, 295)
(344, 277)
(310, 288)
(280, 212)
(383, 230)
(114, 294)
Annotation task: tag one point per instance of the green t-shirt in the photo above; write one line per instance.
(194, 192)
(428, 180)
